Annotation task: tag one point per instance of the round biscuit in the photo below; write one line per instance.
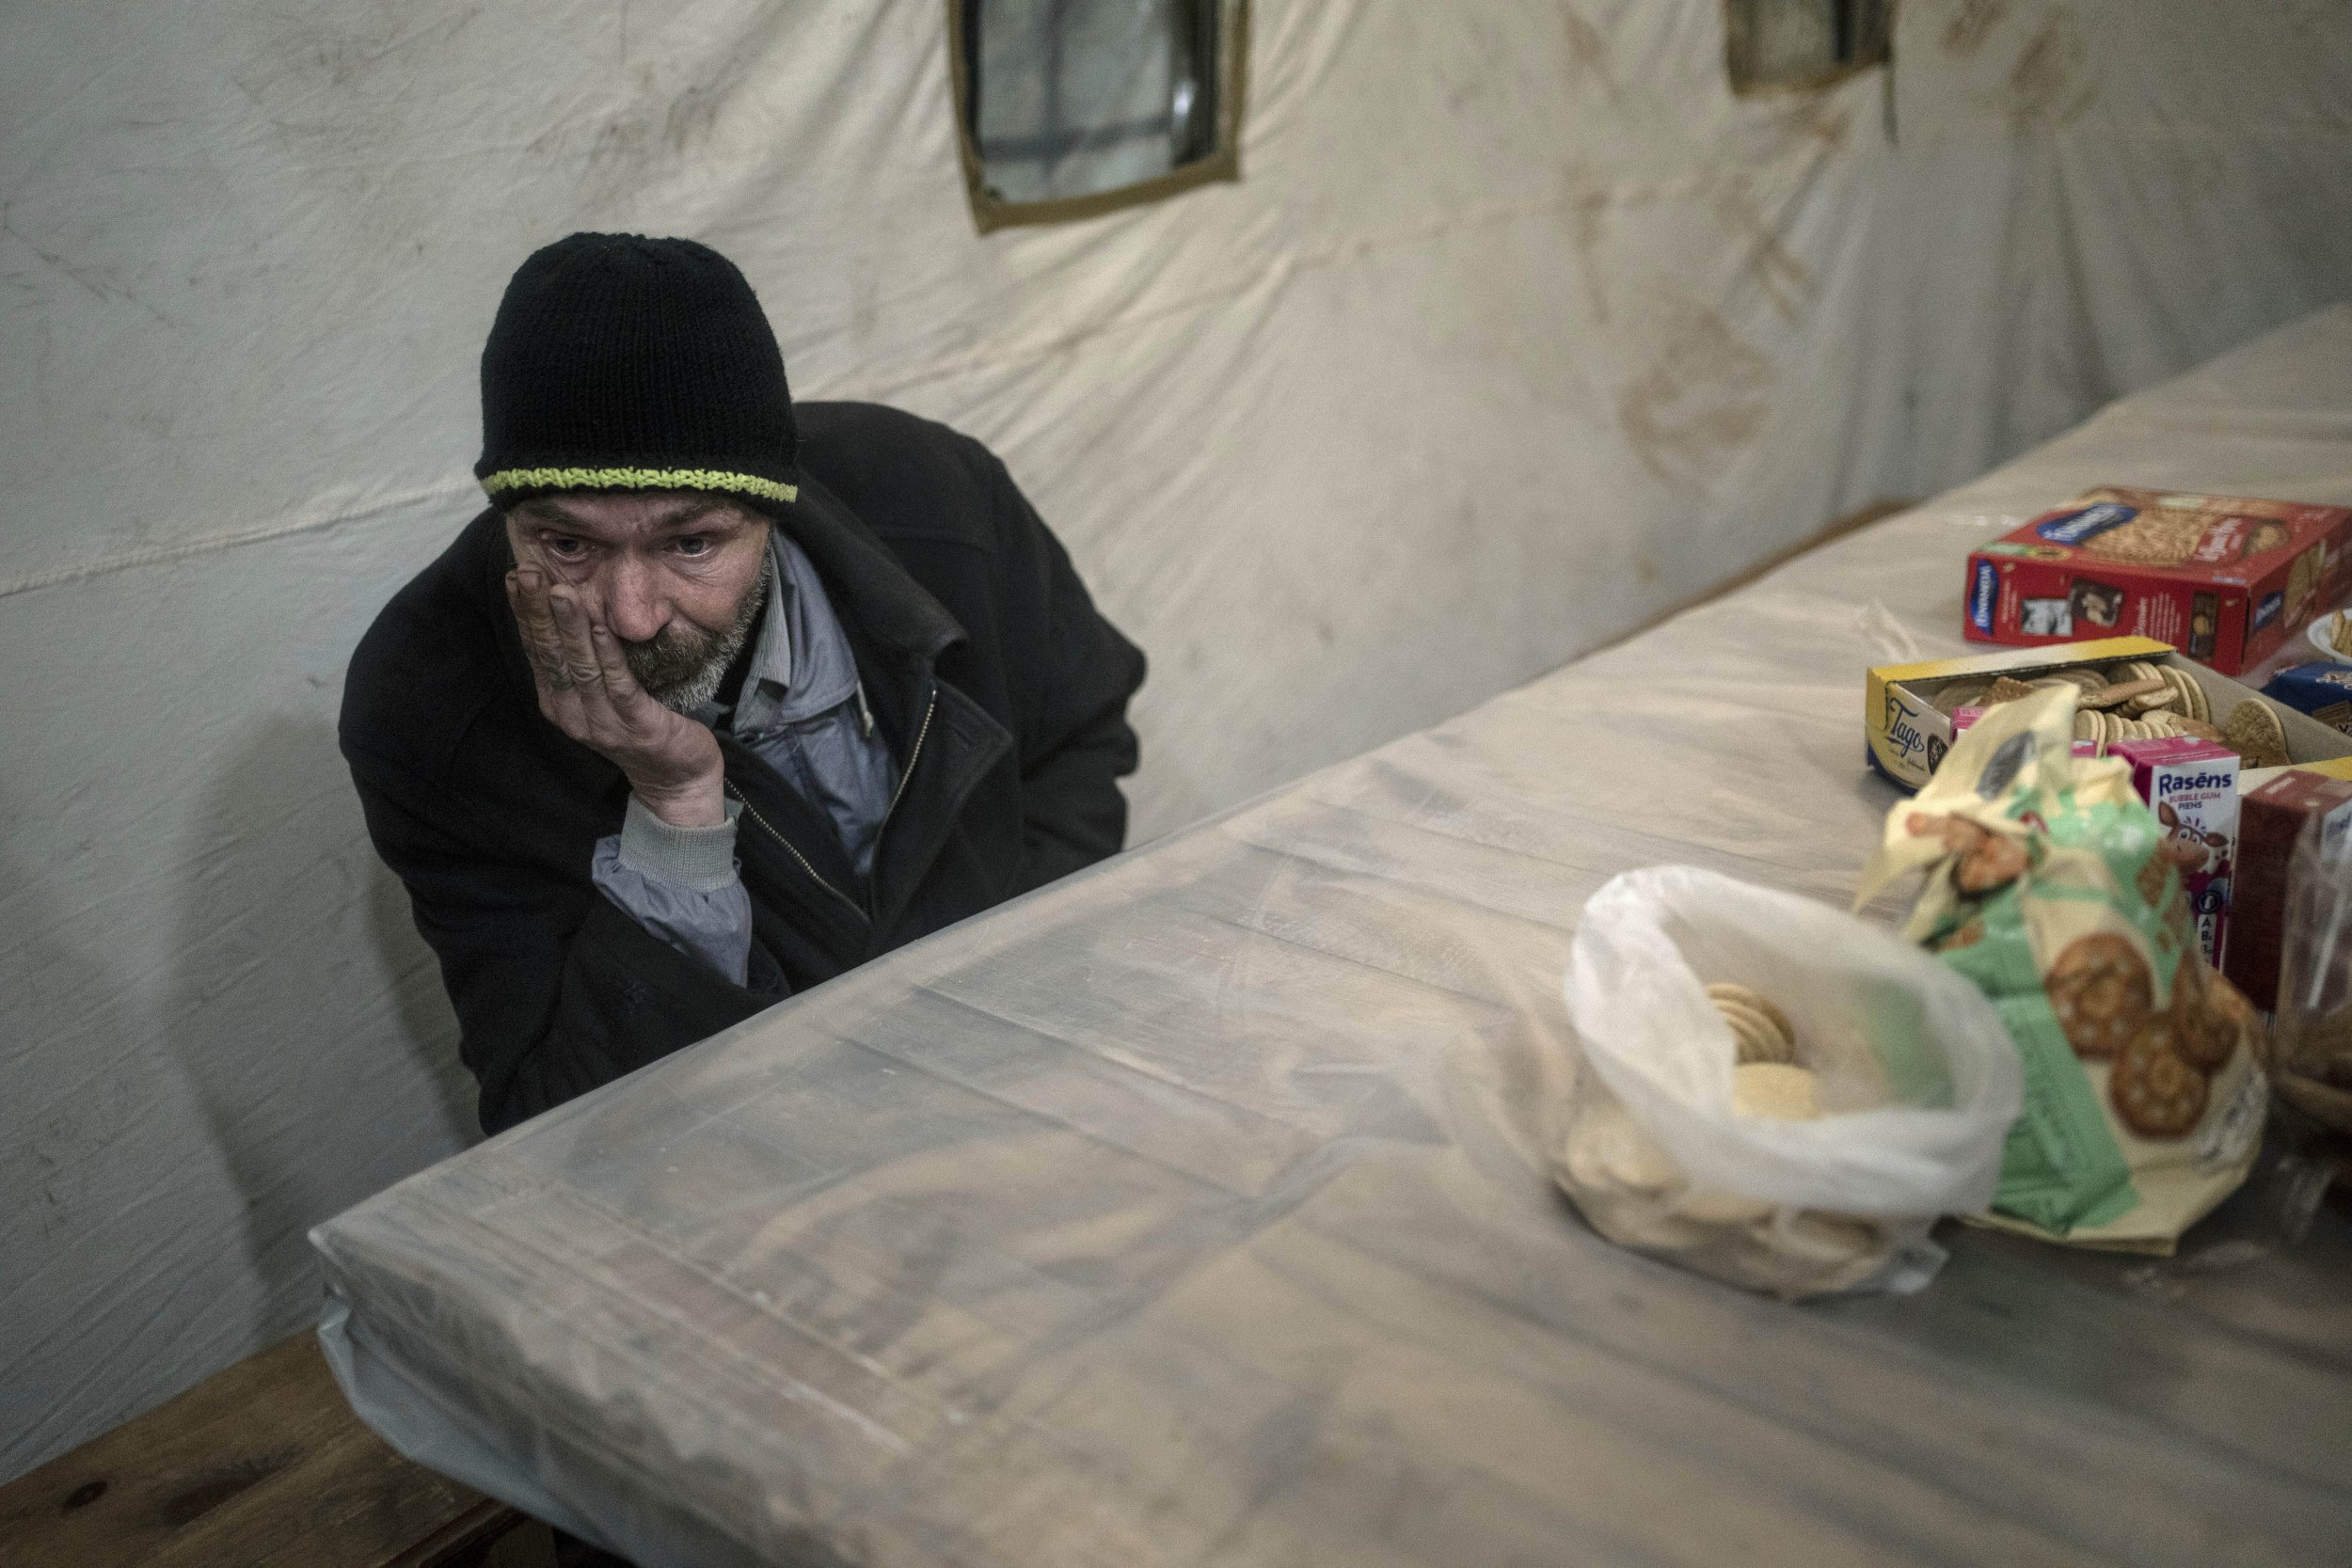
(1758, 1040)
(1761, 1002)
(1965, 692)
(2121, 692)
(2255, 731)
(1746, 1025)
(1610, 1149)
(2200, 704)
(1775, 1089)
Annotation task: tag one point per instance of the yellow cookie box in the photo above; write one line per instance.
(1908, 738)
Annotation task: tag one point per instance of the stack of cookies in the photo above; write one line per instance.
(2135, 699)
(1769, 1081)
(1763, 1031)
(1637, 1193)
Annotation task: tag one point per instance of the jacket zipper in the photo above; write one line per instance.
(752, 811)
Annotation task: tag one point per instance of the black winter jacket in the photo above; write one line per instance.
(1001, 690)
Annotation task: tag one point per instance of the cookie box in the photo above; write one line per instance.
(2225, 580)
(2322, 689)
(1908, 734)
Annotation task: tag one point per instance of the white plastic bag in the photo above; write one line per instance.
(1917, 1080)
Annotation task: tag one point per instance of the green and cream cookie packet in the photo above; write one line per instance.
(2049, 886)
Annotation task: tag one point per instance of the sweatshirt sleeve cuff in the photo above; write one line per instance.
(702, 859)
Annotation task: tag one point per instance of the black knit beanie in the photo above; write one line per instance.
(623, 364)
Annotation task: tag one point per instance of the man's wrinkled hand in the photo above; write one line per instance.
(586, 690)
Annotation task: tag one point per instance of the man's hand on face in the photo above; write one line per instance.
(673, 763)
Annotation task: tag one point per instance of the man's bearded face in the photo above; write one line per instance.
(682, 665)
(679, 578)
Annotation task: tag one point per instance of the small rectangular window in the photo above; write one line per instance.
(1802, 43)
(1066, 109)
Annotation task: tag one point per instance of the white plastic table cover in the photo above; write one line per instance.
(1193, 1212)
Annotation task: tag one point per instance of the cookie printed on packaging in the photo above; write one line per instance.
(2101, 990)
(2156, 1090)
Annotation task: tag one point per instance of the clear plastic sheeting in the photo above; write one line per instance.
(1194, 1210)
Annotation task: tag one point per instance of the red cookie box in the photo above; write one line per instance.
(2223, 578)
(2191, 785)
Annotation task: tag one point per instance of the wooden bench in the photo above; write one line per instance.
(262, 1466)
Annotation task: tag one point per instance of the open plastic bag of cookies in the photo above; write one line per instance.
(1772, 1092)
(2052, 887)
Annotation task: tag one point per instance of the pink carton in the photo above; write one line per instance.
(2192, 787)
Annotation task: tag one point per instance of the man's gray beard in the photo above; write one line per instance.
(682, 676)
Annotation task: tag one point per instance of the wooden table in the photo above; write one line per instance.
(1195, 1212)
(262, 1466)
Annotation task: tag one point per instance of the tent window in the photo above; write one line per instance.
(1070, 107)
(1802, 43)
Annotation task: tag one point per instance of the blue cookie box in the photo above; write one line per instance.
(2321, 688)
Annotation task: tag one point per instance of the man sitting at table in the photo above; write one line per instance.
(720, 697)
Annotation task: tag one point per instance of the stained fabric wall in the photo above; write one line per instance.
(1519, 328)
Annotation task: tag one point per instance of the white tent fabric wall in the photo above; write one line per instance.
(1519, 328)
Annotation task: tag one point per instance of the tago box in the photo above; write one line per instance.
(2192, 787)
(1909, 728)
(1906, 708)
(2223, 578)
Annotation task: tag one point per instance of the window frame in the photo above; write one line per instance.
(992, 211)
(1736, 48)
